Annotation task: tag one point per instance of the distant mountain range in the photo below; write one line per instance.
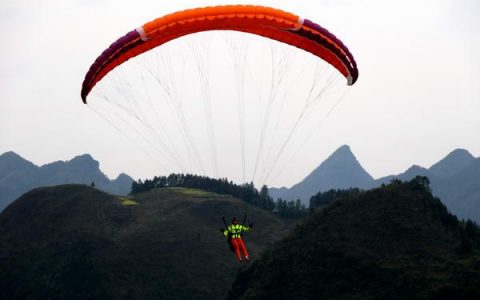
(18, 175)
(455, 180)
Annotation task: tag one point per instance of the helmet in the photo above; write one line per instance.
(234, 219)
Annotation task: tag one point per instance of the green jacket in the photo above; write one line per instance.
(235, 231)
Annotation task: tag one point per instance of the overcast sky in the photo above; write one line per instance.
(416, 100)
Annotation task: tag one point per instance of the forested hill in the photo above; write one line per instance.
(393, 242)
(245, 192)
(75, 242)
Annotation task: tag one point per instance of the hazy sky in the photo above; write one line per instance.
(417, 97)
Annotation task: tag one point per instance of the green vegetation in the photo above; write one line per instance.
(394, 242)
(290, 209)
(324, 198)
(193, 192)
(127, 201)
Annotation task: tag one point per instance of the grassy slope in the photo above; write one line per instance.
(75, 242)
(388, 243)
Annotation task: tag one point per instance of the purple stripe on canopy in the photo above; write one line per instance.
(352, 65)
(109, 54)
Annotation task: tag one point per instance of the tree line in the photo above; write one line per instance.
(246, 192)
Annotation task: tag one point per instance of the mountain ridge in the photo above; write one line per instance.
(340, 170)
(446, 176)
(454, 162)
(18, 175)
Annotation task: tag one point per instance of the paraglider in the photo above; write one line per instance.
(182, 106)
(234, 234)
(147, 116)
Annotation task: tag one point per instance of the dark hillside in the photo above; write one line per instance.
(75, 242)
(394, 242)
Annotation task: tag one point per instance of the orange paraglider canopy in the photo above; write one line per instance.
(264, 21)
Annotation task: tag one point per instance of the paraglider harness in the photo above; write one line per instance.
(229, 237)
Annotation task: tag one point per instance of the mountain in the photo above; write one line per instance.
(11, 162)
(395, 242)
(18, 176)
(453, 163)
(76, 242)
(405, 176)
(455, 179)
(461, 192)
(340, 170)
